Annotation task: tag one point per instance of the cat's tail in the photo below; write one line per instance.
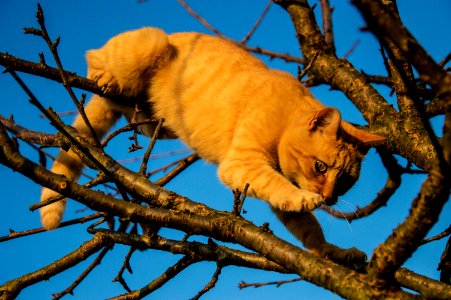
(102, 116)
(128, 61)
(124, 64)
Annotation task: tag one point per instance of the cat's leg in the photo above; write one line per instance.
(101, 116)
(251, 166)
(127, 61)
(305, 227)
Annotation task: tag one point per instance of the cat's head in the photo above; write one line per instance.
(322, 154)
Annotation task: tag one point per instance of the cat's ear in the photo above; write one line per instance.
(326, 121)
(366, 138)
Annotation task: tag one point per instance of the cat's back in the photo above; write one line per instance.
(212, 86)
(196, 46)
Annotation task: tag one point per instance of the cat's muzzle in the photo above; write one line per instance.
(331, 201)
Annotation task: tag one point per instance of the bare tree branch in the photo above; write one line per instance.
(53, 46)
(12, 288)
(393, 28)
(257, 23)
(204, 221)
(340, 74)
(149, 207)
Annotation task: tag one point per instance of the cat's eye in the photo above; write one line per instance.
(320, 166)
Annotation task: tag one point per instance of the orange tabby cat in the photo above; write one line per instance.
(260, 126)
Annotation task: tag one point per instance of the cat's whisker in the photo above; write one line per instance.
(352, 207)
(344, 217)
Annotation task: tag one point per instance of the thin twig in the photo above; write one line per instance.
(62, 113)
(12, 288)
(17, 234)
(211, 284)
(101, 179)
(257, 23)
(54, 50)
(200, 18)
(56, 121)
(184, 163)
(135, 145)
(53, 46)
(145, 161)
(271, 54)
(95, 263)
(125, 266)
(244, 284)
(437, 237)
(128, 127)
(445, 60)
(307, 68)
(170, 273)
(352, 49)
(326, 10)
(238, 199)
(153, 156)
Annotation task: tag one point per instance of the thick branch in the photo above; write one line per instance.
(429, 288)
(391, 254)
(383, 23)
(43, 139)
(199, 219)
(210, 252)
(45, 71)
(340, 74)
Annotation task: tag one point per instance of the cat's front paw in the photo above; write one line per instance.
(302, 200)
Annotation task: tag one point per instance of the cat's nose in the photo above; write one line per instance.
(328, 194)
(330, 200)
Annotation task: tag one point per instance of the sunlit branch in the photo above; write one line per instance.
(197, 219)
(341, 74)
(406, 238)
(328, 32)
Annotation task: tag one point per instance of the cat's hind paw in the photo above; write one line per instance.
(105, 80)
(353, 257)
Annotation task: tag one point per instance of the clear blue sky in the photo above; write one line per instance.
(85, 25)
